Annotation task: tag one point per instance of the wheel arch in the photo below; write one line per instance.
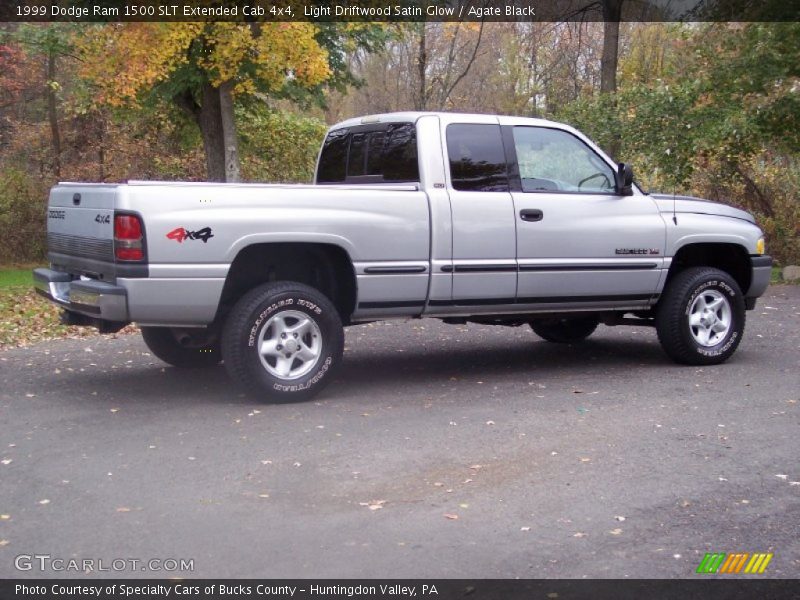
(326, 267)
(730, 257)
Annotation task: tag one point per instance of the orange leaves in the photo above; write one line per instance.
(122, 59)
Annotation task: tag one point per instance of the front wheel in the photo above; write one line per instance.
(700, 317)
(283, 341)
(565, 331)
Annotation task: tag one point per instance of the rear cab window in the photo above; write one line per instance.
(376, 153)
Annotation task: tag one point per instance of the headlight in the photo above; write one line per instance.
(760, 246)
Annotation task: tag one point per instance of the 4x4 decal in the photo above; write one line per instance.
(179, 234)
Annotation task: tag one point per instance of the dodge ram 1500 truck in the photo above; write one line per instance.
(478, 218)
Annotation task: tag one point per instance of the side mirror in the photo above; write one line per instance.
(624, 180)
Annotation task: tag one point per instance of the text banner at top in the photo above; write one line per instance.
(263, 11)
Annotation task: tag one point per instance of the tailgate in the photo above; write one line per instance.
(80, 229)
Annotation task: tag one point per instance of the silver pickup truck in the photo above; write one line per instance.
(494, 220)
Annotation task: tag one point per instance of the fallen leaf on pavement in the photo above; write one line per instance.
(373, 504)
(616, 531)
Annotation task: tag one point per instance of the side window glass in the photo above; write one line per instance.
(333, 157)
(477, 159)
(554, 160)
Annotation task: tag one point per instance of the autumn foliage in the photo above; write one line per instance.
(125, 60)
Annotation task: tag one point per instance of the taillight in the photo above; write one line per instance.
(128, 237)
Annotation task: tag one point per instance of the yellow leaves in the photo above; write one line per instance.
(290, 50)
(229, 45)
(125, 59)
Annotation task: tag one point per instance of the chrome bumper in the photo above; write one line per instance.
(95, 299)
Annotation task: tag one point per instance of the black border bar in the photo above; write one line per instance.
(711, 588)
(395, 10)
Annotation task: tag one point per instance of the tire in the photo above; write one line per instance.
(178, 348)
(701, 316)
(565, 331)
(294, 365)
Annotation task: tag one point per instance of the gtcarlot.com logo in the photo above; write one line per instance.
(736, 563)
(46, 562)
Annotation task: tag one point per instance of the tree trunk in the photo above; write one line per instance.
(422, 69)
(612, 11)
(209, 119)
(230, 141)
(52, 113)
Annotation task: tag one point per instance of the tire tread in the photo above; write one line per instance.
(238, 322)
(669, 316)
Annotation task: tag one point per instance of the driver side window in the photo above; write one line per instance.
(554, 160)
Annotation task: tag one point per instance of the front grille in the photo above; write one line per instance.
(78, 245)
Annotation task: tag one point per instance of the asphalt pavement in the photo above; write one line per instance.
(439, 451)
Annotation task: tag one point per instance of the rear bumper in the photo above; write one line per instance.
(94, 299)
(762, 273)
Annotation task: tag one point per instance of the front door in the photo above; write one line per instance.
(579, 243)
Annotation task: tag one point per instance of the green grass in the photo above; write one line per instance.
(26, 317)
(16, 277)
(776, 275)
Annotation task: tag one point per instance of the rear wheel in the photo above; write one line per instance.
(183, 348)
(565, 331)
(700, 318)
(282, 341)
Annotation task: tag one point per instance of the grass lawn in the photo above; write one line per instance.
(16, 277)
(26, 317)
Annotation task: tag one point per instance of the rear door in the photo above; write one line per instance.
(484, 238)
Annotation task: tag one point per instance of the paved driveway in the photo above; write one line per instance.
(440, 451)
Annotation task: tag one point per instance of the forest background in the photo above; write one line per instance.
(706, 109)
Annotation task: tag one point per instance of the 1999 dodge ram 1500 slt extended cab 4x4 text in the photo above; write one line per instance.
(480, 218)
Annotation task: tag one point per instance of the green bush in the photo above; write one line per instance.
(23, 203)
(278, 146)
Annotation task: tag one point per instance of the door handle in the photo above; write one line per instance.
(531, 214)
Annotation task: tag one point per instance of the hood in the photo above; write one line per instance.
(688, 204)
